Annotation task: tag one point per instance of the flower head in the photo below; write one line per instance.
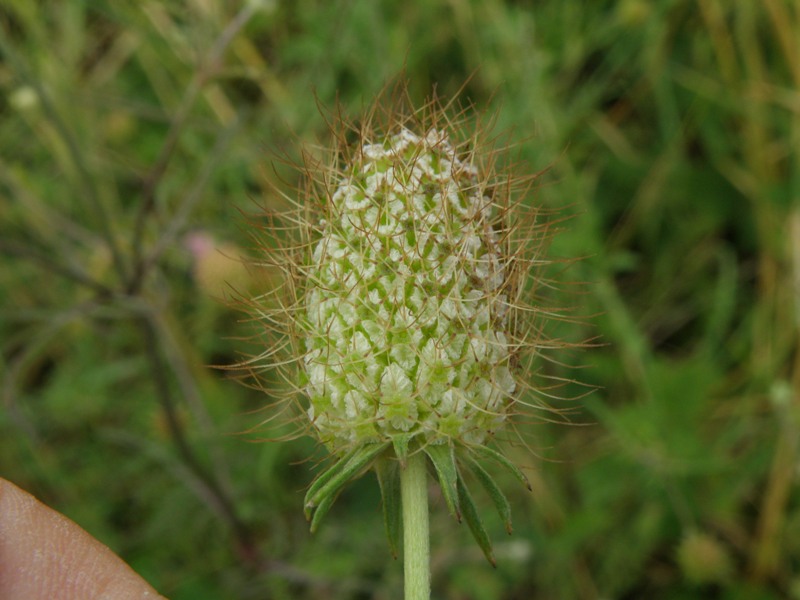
(406, 307)
(403, 301)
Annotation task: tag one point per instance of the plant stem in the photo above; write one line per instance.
(416, 543)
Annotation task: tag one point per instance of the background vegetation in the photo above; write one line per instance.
(671, 133)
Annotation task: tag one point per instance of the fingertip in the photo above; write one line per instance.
(44, 555)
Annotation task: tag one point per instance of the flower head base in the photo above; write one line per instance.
(406, 310)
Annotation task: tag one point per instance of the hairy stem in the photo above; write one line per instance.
(416, 543)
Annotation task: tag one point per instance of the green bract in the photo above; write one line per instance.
(405, 311)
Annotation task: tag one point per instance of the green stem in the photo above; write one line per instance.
(416, 543)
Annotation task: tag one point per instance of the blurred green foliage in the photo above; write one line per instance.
(669, 133)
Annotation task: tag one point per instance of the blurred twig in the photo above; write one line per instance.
(176, 360)
(206, 70)
(190, 200)
(51, 263)
(217, 498)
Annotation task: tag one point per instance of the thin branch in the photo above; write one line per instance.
(51, 263)
(176, 359)
(208, 67)
(178, 220)
(219, 499)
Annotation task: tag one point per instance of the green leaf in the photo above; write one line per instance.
(444, 462)
(338, 475)
(474, 521)
(495, 493)
(389, 479)
(495, 455)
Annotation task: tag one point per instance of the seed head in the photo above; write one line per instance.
(406, 310)
(403, 304)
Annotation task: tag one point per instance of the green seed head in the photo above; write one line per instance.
(402, 306)
(406, 309)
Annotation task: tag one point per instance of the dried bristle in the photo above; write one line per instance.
(367, 362)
